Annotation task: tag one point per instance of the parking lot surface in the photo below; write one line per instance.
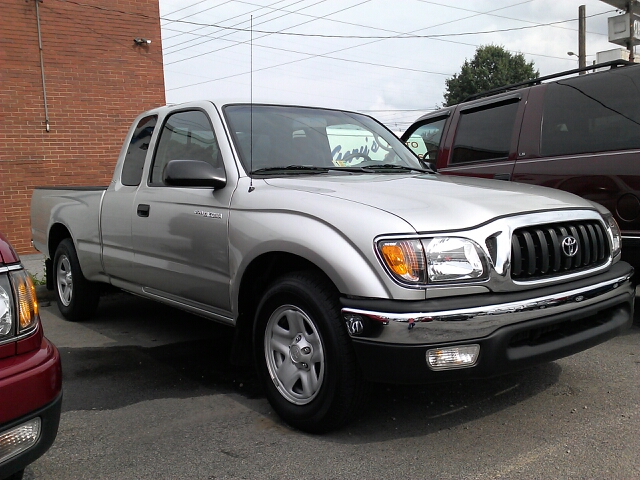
(149, 393)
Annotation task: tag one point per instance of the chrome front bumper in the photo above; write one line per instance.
(444, 325)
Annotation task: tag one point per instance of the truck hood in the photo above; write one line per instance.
(433, 202)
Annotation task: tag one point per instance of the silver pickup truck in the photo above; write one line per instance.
(335, 253)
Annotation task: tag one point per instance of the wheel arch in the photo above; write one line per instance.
(57, 233)
(257, 277)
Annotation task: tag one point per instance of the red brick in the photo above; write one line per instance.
(94, 75)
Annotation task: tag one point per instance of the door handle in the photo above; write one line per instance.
(143, 210)
(502, 176)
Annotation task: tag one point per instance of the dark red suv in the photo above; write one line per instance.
(579, 133)
(30, 372)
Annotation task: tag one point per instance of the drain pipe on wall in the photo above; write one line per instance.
(44, 85)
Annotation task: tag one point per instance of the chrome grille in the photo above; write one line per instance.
(538, 251)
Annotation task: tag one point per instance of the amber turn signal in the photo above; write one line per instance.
(27, 303)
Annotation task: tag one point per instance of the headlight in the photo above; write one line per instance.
(614, 234)
(26, 301)
(18, 305)
(451, 259)
(5, 313)
(435, 260)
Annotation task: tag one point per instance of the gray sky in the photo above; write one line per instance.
(393, 79)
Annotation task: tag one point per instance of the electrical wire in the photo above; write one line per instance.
(223, 21)
(268, 34)
(343, 59)
(457, 7)
(349, 48)
(188, 6)
(244, 21)
(409, 35)
(386, 37)
(399, 35)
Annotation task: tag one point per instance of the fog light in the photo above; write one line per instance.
(453, 357)
(18, 439)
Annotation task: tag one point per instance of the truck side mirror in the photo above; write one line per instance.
(193, 173)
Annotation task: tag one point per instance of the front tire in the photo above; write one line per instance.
(77, 298)
(304, 354)
(16, 476)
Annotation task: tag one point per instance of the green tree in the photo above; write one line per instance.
(491, 67)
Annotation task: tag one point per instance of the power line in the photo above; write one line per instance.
(188, 6)
(326, 55)
(244, 21)
(409, 35)
(344, 59)
(386, 37)
(226, 20)
(351, 47)
(268, 34)
(457, 7)
(168, 20)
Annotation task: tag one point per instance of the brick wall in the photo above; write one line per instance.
(97, 82)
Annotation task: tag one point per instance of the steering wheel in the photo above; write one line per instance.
(350, 156)
(377, 139)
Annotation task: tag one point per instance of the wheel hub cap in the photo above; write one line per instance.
(294, 354)
(301, 352)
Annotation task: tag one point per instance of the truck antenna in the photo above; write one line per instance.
(251, 187)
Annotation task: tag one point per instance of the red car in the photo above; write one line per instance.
(30, 371)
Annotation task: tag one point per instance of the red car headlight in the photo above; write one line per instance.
(26, 301)
(18, 305)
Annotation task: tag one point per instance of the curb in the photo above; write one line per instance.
(44, 295)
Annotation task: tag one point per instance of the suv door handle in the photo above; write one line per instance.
(143, 210)
(502, 176)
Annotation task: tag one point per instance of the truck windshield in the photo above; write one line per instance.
(281, 139)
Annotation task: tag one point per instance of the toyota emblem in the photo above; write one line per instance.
(569, 246)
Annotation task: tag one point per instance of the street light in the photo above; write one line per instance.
(572, 54)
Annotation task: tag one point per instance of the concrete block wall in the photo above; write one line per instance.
(97, 81)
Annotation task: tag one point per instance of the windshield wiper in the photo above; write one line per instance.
(387, 167)
(292, 169)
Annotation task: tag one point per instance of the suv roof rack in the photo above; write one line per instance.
(536, 81)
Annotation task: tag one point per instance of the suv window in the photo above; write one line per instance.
(485, 134)
(185, 136)
(137, 152)
(425, 140)
(592, 113)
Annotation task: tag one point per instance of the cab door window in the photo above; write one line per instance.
(137, 152)
(484, 134)
(186, 135)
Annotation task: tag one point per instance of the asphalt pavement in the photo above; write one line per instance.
(149, 393)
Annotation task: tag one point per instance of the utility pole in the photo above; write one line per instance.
(624, 30)
(582, 28)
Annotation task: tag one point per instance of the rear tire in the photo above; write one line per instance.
(77, 298)
(304, 354)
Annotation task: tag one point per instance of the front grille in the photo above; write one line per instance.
(537, 252)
